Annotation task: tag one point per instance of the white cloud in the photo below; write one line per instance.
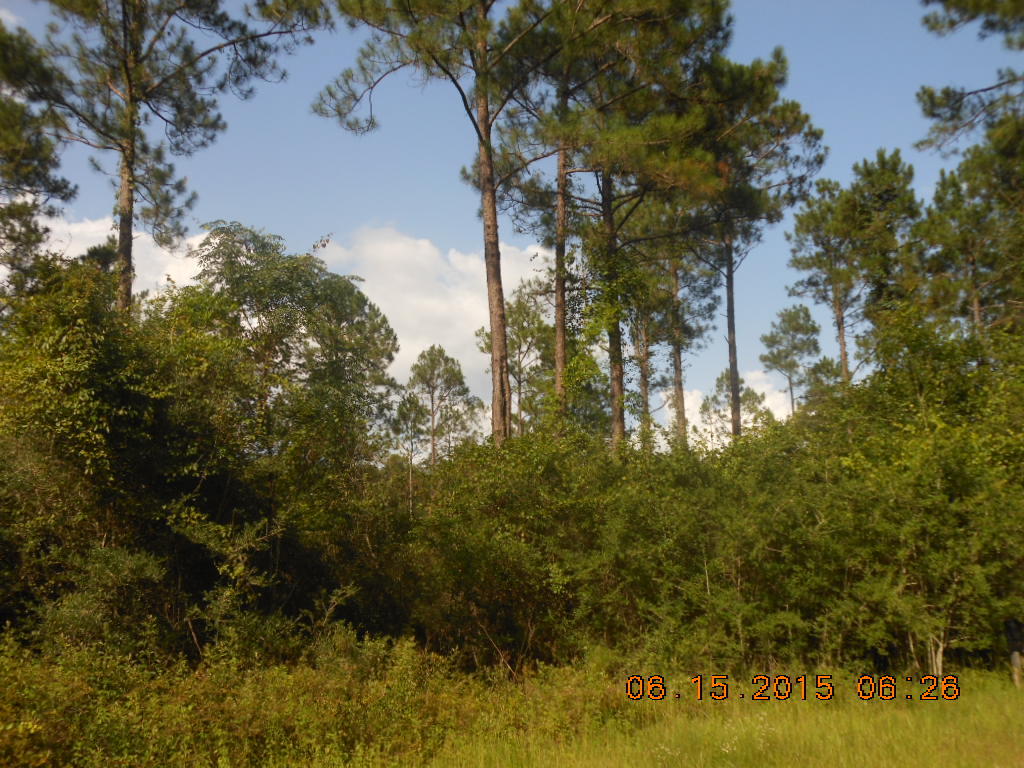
(428, 296)
(665, 407)
(692, 399)
(9, 18)
(153, 265)
(775, 399)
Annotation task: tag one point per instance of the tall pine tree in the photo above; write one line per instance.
(137, 65)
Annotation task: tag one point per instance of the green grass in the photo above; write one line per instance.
(984, 727)
(373, 704)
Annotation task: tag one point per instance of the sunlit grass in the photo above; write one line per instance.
(983, 727)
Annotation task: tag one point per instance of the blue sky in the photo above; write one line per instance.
(401, 217)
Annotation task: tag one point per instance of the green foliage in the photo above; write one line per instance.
(530, 351)
(350, 702)
(169, 470)
(110, 604)
(140, 62)
(996, 16)
(411, 423)
(536, 550)
(29, 184)
(957, 110)
(971, 233)
(186, 472)
(859, 248)
(877, 212)
(137, 61)
(824, 250)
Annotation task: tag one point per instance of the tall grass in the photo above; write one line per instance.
(373, 703)
(983, 727)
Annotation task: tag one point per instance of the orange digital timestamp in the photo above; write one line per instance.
(801, 688)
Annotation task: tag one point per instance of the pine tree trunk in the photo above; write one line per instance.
(410, 482)
(730, 311)
(644, 361)
(617, 383)
(433, 431)
(975, 295)
(840, 317)
(678, 393)
(561, 230)
(501, 390)
(519, 405)
(126, 207)
(126, 193)
(615, 359)
(126, 215)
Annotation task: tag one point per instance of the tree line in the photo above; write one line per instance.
(229, 465)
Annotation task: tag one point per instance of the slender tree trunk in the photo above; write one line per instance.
(936, 648)
(615, 358)
(410, 482)
(617, 383)
(840, 317)
(913, 652)
(519, 405)
(501, 394)
(126, 207)
(126, 215)
(975, 294)
(561, 236)
(561, 230)
(678, 393)
(644, 363)
(433, 431)
(792, 398)
(126, 193)
(730, 312)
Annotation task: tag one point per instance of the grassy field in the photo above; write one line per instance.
(984, 727)
(376, 704)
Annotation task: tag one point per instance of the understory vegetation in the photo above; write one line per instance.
(190, 570)
(164, 496)
(352, 703)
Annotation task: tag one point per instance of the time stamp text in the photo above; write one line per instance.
(799, 688)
